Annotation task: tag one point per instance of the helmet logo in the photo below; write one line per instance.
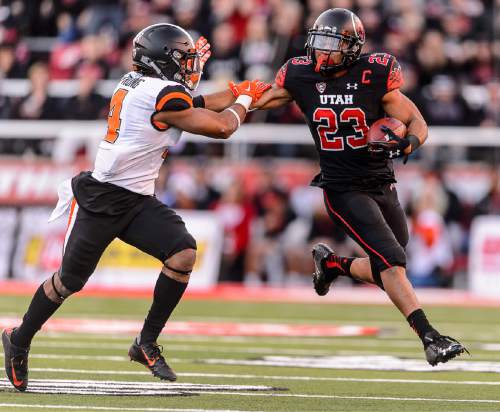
(321, 87)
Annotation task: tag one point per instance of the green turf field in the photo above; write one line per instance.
(101, 361)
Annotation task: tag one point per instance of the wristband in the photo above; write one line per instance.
(199, 101)
(414, 142)
(235, 115)
(244, 100)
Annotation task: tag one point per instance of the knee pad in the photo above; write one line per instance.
(72, 283)
(58, 289)
(182, 262)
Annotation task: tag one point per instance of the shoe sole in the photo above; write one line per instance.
(6, 343)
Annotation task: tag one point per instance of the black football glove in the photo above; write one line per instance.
(392, 148)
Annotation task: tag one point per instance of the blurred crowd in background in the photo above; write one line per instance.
(448, 51)
(446, 48)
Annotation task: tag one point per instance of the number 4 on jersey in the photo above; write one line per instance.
(114, 119)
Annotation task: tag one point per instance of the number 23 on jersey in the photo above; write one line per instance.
(114, 119)
(329, 126)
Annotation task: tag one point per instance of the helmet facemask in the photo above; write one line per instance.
(189, 64)
(329, 42)
(183, 67)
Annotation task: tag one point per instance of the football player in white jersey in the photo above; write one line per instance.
(149, 109)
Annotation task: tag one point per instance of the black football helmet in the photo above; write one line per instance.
(168, 51)
(335, 30)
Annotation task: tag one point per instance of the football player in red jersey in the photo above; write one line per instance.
(341, 92)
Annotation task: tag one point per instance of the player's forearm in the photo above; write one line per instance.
(417, 127)
(272, 99)
(230, 121)
(219, 101)
(271, 104)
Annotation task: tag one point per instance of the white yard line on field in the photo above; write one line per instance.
(368, 341)
(375, 398)
(271, 377)
(111, 408)
(191, 348)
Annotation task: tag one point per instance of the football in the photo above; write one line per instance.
(377, 135)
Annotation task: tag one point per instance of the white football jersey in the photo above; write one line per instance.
(134, 147)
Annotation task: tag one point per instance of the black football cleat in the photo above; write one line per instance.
(16, 362)
(321, 280)
(149, 354)
(439, 348)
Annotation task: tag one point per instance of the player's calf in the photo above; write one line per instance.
(169, 288)
(46, 300)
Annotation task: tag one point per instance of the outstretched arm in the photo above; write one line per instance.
(205, 122)
(176, 109)
(219, 101)
(273, 98)
(397, 105)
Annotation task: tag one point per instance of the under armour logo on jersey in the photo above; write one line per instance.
(321, 87)
(394, 153)
(352, 86)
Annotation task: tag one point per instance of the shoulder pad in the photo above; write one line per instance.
(291, 64)
(395, 76)
(386, 68)
(173, 98)
(300, 61)
(281, 75)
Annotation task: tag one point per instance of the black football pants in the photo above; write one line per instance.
(375, 221)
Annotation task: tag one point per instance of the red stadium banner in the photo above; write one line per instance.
(33, 182)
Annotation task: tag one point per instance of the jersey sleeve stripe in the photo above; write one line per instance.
(173, 95)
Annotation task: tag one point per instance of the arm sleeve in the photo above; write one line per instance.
(280, 78)
(173, 98)
(394, 76)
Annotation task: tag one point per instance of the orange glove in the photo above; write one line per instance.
(255, 88)
(202, 47)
